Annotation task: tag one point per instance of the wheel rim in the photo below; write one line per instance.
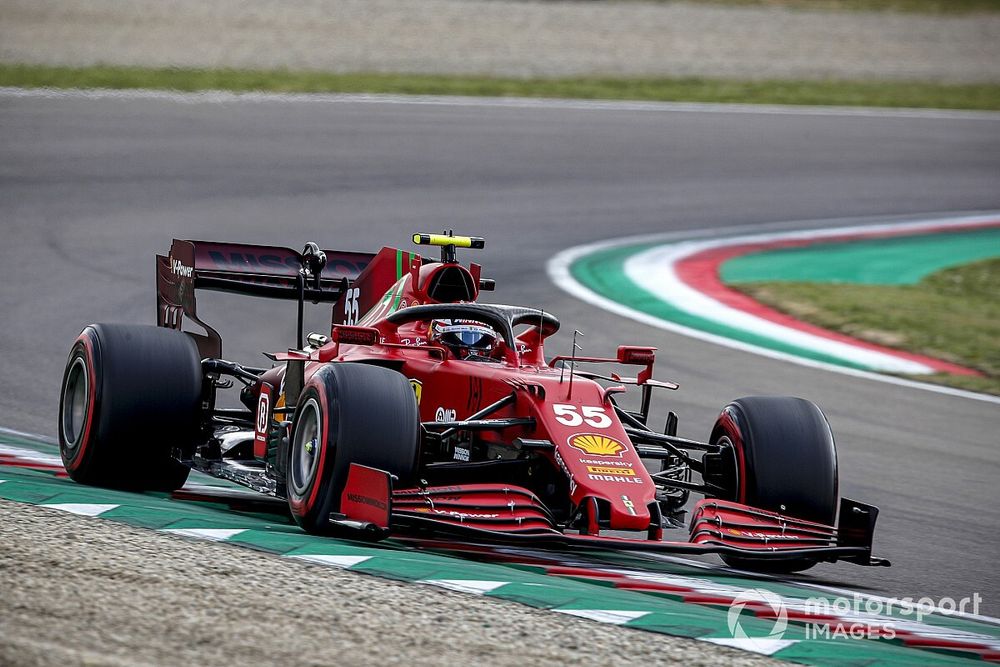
(306, 447)
(75, 402)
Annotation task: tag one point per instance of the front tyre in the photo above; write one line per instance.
(130, 395)
(780, 456)
(348, 413)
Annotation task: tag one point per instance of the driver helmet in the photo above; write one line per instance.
(465, 339)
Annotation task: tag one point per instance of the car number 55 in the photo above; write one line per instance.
(593, 416)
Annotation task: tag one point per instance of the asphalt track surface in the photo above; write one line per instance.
(91, 189)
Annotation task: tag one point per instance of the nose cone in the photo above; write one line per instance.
(627, 513)
(610, 469)
(595, 453)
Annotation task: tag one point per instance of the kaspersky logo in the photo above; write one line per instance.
(597, 445)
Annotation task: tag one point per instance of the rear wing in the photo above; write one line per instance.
(253, 270)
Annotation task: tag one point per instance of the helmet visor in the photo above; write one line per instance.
(472, 336)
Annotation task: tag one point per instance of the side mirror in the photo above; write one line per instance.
(636, 355)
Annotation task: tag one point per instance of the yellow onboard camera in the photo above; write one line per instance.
(477, 242)
(449, 242)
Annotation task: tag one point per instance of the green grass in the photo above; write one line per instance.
(847, 93)
(952, 315)
(907, 6)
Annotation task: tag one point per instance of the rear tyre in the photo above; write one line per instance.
(130, 395)
(348, 413)
(781, 457)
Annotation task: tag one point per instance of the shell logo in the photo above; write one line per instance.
(597, 445)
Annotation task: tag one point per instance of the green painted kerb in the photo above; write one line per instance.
(886, 261)
(603, 272)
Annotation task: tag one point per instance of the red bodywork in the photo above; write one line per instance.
(590, 445)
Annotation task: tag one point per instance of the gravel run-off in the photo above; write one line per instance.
(504, 38)
(89, 591)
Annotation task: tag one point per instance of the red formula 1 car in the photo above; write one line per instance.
(424, 409)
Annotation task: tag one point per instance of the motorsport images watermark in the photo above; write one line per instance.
(857, 617)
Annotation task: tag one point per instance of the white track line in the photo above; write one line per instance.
(226, 97)
(34, 436)
(559, 272)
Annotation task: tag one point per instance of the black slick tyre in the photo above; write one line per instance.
(130, 395)
(781, 457)
(348, 413)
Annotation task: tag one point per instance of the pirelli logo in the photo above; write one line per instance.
(601, 470)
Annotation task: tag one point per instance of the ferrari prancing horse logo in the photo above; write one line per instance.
(597, 445)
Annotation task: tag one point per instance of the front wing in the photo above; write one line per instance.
(510, 514)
